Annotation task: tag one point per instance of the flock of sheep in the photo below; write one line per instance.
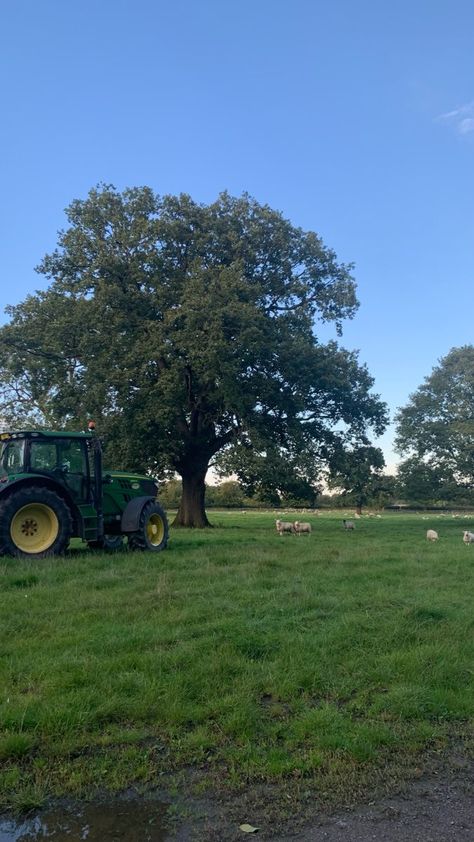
(432, 535)
(297, 527)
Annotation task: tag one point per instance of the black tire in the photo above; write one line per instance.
(152, 533)
(35, 522)
(109, 543)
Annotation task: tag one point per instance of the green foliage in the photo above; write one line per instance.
(186, 331)
(436, 427)
(228, 494)
(299, 493)
(170, 494)
(383, 491)
(420, 481)
(358, 474)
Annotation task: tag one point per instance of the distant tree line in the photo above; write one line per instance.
(410, 489)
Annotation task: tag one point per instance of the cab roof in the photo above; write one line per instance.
(66, 434)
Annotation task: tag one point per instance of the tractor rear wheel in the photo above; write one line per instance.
(34, 522)
(152, 533)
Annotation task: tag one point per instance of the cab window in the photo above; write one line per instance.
(71, 456)
(43, 456)
(66, 459)
(65, 455)
(12, 456)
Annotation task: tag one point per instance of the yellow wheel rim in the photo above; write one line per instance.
(34, 528)
(155, 529)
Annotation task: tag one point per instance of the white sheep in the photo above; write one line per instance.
(284, 526)
(348, 524)
(468, 537)
(302, 527)
(431, 535)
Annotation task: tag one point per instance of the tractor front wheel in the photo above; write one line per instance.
(34, 522)
(152, 533)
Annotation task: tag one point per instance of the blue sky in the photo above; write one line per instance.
(355, 119)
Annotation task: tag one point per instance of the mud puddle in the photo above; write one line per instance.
(130, 821)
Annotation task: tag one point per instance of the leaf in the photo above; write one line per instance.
(248, 828)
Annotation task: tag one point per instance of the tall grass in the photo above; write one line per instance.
(252, 655)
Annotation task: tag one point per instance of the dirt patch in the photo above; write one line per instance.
(437, 805)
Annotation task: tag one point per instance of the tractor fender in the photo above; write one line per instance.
(131, 514)
(44, 481)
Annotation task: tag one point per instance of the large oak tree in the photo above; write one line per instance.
(189, 332)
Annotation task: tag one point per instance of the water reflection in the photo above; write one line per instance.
(120, 821)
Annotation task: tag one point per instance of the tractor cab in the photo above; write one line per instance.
(64, 457)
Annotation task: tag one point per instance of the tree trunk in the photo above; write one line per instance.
(192, 511)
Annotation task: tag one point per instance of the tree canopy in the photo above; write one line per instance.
(359, 474)
(421, 482)
(437, 424)
(188, 331)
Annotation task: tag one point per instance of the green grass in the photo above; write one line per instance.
(247, 655)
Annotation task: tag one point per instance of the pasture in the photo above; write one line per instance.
(329, 660)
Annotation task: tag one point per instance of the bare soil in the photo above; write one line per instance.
(436, 806)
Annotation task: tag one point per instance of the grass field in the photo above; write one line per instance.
(249, 656)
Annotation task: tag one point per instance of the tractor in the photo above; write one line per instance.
(53, 488)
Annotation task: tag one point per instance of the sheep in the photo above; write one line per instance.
(348, 524)
(284, 526)
(431, 535)
(468, 537)
(302, 527)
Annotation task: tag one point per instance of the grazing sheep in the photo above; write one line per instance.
(302, 527)
(348, 524)
(284, 526)
(431, 535)
(468, 537)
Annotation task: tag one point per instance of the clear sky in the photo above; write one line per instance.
(355, 119)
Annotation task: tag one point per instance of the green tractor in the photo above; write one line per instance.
(53, 488)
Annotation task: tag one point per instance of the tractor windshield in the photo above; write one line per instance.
(11, 456)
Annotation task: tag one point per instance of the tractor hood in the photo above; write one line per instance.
(134, 483)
